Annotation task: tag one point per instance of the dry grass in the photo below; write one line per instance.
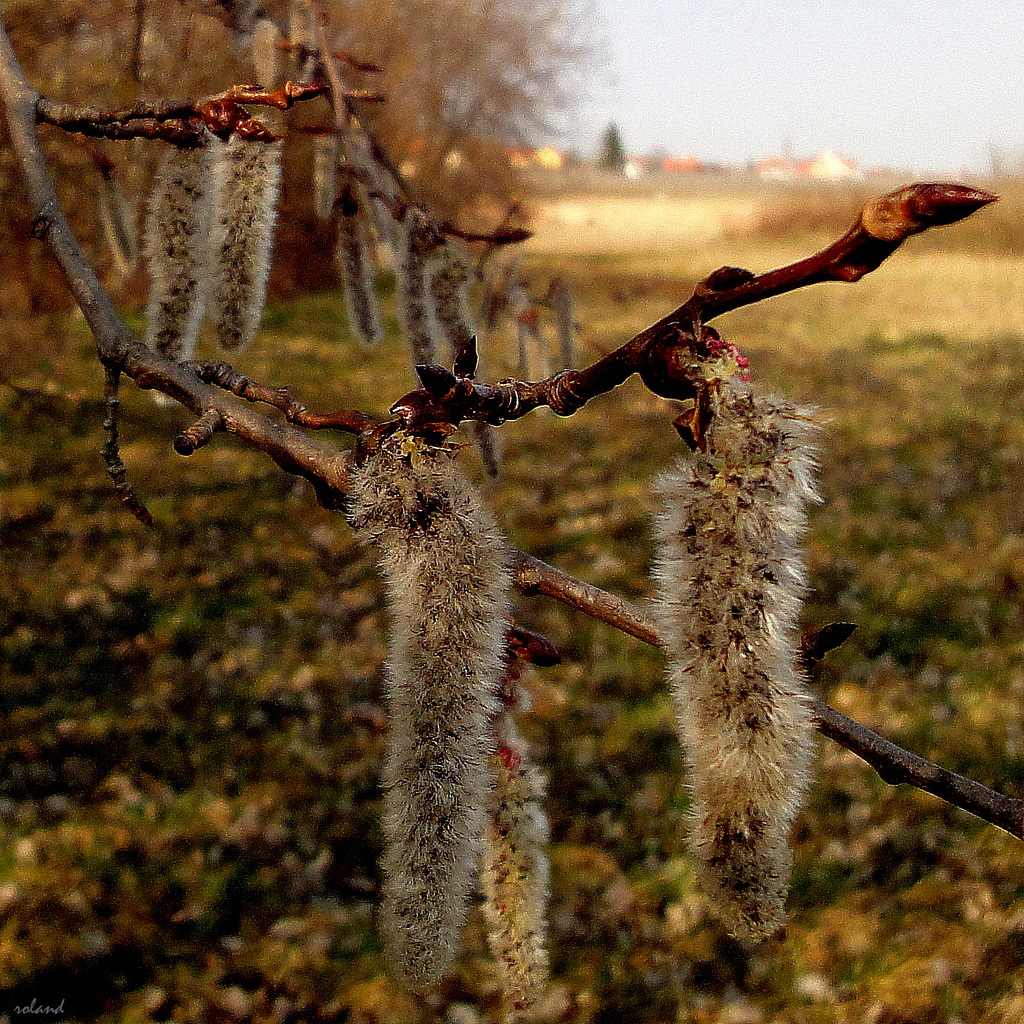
(189, 773)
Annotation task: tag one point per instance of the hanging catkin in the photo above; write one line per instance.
(326, 157)
(241, 238)
(514, 870)
(353, 259)
(444, 563)
(559, 298)
(730, 575)
(116, 221)
(266, 57)
(181, 205)
(420, 241)
(449, 279)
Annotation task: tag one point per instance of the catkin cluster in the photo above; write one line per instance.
(449, 283)
(444, 563)
(352, 254)
(415, 312)
(514, 870)
(209, 232)
(730, 575)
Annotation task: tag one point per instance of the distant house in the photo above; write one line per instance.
(827, 166)
(775, 168)
(546, 157)
(830, 166)
(520, 156)
(681, 165)
(549, 158)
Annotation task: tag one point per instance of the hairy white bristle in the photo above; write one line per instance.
(185, 193)
(242, 237)
(266, 57)
(444, 563)
(730, 578)
(419, 242)
(449, 280)
(514, 871)
(326, 157)
(354, 267)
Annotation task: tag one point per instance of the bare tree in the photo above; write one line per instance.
(458, 773)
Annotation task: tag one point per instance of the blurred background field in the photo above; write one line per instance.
(193, 720)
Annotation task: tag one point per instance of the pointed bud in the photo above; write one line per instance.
(466, 359)
(435, 379)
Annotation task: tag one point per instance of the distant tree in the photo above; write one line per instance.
(613, 152)
(462, 80)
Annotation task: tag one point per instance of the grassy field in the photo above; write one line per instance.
(189, 764)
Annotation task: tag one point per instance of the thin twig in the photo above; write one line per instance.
(223, 375)
(111, 450)
(893, 764)
(341, 104)
(199, 433)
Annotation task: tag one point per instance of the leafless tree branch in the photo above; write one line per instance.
(667, 354)
(180, 121)
(893, 764)
(900, 214)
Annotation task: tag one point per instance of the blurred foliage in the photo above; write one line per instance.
(189, 764)
(464, 79)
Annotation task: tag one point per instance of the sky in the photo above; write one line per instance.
(927, 86)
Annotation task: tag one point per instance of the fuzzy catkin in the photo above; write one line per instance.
(730, 578)
(352, 255)
(264, 52)
(117, 222)
(419, 242)
(560, 298)
(177, 238)
(444, 563)
(514, 871)
(241, 238)
(326, 156)
(449, 279)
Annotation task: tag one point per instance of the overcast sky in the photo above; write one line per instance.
(928, 86)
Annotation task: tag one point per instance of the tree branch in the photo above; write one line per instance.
(668, 354)
(327, 468)
(893, 764)
(116, 347)
(177, 121)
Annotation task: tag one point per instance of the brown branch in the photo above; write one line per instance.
(342, 106)
(200, 433)
(342, 102)
(223, 375)
(111, 451)
(498, 237)
(179, 121)
(327, 468)
(303, 53)
(668, 354)
(117, 348)
(893, 764)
